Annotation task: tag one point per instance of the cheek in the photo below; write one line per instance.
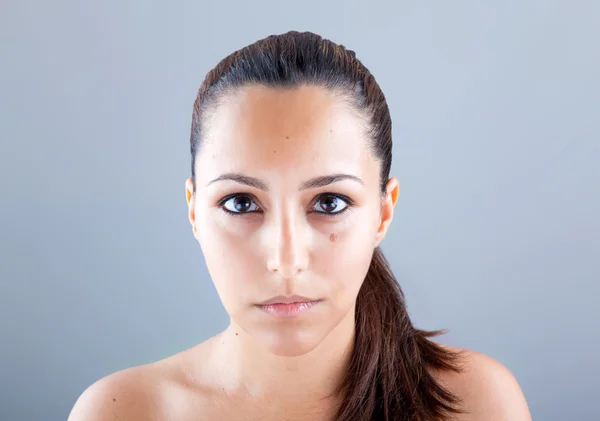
(343, 259)
(230, 261)
(222, 238)
(350, 241)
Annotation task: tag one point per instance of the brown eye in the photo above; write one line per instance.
(330, 204)
(240, 204)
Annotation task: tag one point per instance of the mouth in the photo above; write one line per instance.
(287, 306)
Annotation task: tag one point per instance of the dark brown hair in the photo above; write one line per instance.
(390, 372)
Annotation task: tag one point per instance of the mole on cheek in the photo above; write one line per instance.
(333, 237)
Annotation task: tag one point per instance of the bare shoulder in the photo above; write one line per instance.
(132, 394)
(488, 390)
(150, 392)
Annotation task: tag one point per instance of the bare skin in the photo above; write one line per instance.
(183, 388)
(287, 237)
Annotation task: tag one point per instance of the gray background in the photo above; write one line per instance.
(496, 116)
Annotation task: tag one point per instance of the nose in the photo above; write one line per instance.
(287, 244)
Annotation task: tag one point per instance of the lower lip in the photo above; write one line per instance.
(287, 309)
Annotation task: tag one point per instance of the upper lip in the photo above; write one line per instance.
(281, 299)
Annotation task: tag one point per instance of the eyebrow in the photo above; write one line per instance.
(313, 183)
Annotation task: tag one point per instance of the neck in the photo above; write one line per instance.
(306, 379)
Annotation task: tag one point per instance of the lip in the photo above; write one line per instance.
(281, 299)
(287, 306)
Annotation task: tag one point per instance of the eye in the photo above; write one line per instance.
(239, 203)
(332, 204)
(329, 204)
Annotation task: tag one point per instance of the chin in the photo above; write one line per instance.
(289, 342)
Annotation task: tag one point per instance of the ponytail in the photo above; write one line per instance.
(388, 377)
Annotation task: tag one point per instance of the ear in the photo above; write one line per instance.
(191, 201)
(387, 208)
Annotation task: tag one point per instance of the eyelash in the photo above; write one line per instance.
(347, 200)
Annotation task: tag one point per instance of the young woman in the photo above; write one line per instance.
(290, 196)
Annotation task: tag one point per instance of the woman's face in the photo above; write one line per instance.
(271, 223)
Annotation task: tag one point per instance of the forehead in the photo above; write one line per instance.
(304, 131)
